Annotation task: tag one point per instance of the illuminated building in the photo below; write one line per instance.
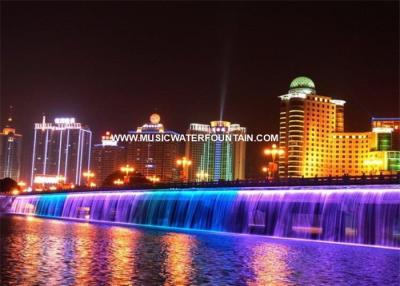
(385, 149)
(214, 160)
(10, 151)
(312, 134)
(60, 150)
(107, 158)
(351, 151)
(154, 159)
(307, 121)
(388, 133)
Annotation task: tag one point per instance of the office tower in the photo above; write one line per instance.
(307, 121)
(107, 158)
(10, 151)
(61, 152)
(154, 159)
(214, 160)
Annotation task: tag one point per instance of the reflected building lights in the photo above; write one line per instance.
(270, 264)
(123, 248)
(179, 259)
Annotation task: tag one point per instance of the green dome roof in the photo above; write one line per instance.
(302, 82)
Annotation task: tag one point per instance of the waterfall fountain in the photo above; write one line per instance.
(353, 214)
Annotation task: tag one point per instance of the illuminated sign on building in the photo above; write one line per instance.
(48, 179)
(64, 120)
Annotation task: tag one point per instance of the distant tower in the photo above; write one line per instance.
(60, 150)
(154, 158)
(10, 150)
(107, 158)
(216, 160)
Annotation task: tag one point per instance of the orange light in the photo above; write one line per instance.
(264, 169)
(88, 174)
(153, 178)
(274, 151)
(118, 182)
(15, 192)
(183, 162)
(21, 184)
(267, 151)
(127, 169)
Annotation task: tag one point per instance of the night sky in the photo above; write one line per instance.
(111, 65)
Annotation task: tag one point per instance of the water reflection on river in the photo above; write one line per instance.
(35, 251)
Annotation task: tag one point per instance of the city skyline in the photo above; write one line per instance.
(232, 59)
(299, 87)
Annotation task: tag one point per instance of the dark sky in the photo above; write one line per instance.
(112, 64)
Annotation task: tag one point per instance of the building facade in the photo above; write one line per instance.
(385, 149)
(151, 158)
(388, 130)
(315, 144)
(107, 158)
(214, 160)
(10, 152)
(61, 152)
(307, 122)
(350, 152)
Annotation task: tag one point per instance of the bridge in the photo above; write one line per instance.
(317, 181)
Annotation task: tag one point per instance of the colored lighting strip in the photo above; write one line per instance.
(243, 191)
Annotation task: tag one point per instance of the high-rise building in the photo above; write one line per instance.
(312, 134)
(107, 158)
(10, 151)
(154, 159)
(307, 121)
(214, 160)
(61, 151)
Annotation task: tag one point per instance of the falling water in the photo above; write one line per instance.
(357, 214)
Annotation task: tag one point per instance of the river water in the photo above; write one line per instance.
(37, 251)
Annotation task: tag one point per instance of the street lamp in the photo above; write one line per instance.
(184, 163)
(127, 169)
(202, 176)
(15, 192)
(274, 152)
(22, 185)
(118, 182)
(88, 176)
(153, 179)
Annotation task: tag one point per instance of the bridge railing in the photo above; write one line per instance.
(317, 181)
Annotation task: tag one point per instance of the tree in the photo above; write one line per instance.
(7, 185)
(134, 179)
